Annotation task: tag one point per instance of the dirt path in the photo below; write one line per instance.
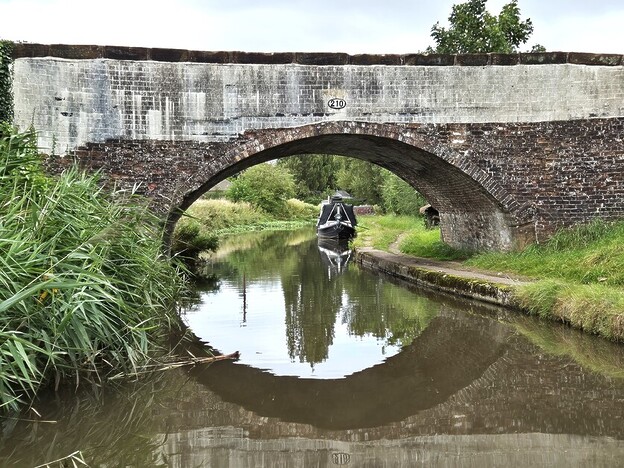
(394, 247)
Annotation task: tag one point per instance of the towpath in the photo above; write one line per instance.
(447, 276)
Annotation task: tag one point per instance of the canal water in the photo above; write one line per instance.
(342, 367)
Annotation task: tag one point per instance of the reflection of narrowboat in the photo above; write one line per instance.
(335, 254)
(337, 220)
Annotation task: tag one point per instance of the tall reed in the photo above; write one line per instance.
(84, 287)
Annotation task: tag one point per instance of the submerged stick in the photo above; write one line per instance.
(201, 360)
(192, 361)
(73, 457)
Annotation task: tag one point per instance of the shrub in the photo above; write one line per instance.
(6, 82)
(299, 210)
(399, 197)
(266, 186)
(189, 240)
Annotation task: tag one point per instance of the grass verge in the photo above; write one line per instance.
(594, 308)
(380, 232)
(213, 219)
(579, 272)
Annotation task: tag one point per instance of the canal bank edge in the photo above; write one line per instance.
(447, 277)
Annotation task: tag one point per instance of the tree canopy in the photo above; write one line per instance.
(314, 175)
(317, 174)
(361, 179)
(474, 30)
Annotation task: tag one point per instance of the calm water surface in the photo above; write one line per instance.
(340, 367)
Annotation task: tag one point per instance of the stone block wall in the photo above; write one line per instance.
(82, 94)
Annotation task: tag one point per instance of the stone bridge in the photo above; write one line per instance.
(509, 148)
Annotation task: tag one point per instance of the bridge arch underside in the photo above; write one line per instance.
(475, 213)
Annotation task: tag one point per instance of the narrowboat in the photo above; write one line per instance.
(336, 220)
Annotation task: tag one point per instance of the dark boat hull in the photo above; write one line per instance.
(335, 230)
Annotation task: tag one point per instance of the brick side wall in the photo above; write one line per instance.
(497, 186)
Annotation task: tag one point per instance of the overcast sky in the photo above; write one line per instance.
(352, 26)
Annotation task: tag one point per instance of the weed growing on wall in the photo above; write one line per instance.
(6, 81)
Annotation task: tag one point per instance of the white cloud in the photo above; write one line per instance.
(602, 33)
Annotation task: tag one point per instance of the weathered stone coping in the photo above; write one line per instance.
(448, 277)
(78, 52)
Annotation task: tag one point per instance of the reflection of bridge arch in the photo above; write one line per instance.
(448, 356)
(476, 211)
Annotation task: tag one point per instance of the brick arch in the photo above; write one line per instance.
(476, 212)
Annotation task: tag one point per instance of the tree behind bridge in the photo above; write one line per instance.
(266, 186)
(474, 30)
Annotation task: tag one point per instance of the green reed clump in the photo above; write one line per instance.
(84, 286)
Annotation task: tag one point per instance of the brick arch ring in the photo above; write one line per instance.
(476, 212)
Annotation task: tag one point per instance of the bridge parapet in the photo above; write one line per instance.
(84, 52)
(83, 94)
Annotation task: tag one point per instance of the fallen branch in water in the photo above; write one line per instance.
(192, 361)
(198, 360)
